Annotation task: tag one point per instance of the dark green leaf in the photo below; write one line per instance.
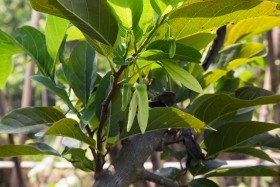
(202, 182)
(169, 172)
(29, 149)
(92, 17)
(164, 118)
(33, 42)
(69, 128)
(29, 119)
(80, 70)
(232, 134)
(251, 152)
(207, 166)
(248, 171)
(250, 93)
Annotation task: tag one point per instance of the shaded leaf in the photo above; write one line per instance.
(80, 70)
(34, 43)
(29, 149)
(251, 92)
(248, 171)
(164, 118)
(69, 128)
(29, 119)
(232, 134)
(252, 152)
(207, 166)
(169, 172)
(181, 76)
(202, 182)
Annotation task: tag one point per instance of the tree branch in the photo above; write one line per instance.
(103, 117)
(144, 174)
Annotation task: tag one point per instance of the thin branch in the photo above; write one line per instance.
(103, 117)
(144, 174)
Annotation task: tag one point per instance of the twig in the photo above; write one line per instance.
(103, 117)
(144, 174)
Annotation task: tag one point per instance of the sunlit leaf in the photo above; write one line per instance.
(30, 119)
(163, 7)
(198, 41)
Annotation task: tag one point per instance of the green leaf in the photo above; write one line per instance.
(34, 43)
(169, 172)
(8, 48)
(248, 28)
(69, 128)
(183, 52)
(213, 106)
(29, 119)
(198, 41)
(202, 182)
(251, 92)
(80, 70)
(73, 33)
(163, 7)
(50, 85)
(29, 149)
(201, 16)
(92, 17)
(230, 58)
(127, 12)
(55, 31)
(252, 152)
(234, 133)
(164, 118)
(207, 166)
(181, 76)
(248, 171)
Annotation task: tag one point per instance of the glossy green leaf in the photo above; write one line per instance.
(164, 118)
(92, 17)
(202, 182)
(29, 149)
(201, 16)
(30, 119)
(34, 43)
(232, 134)
(183, 52)
(252, 152)
(181, 76)
(55, 31)
(169, 172)
(127, 12)
(230, 58)
(207, 166)
(50, 85)
(80, 70)
(214, 106)
(243, 172)
(163, 7)
(8, 48)
(198, 41)
(248, 28)
(69, 128)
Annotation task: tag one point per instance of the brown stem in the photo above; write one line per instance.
(103, 117)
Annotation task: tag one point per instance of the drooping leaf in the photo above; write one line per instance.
(169, 172)
(207, 166)
(29, 149)
(80, 70)
(183, 52)
(250, 27)
(248, 171)
(252, 152)
(181, 76)
(50, 85)
(202, 182)
(34, 43)
(8, 48)
(30, 119)
(55, 31)
(164, 118)
(213, 106)
(201, 16)
(232, 134)
(92, 17)
(230, 58)
(69, 128)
